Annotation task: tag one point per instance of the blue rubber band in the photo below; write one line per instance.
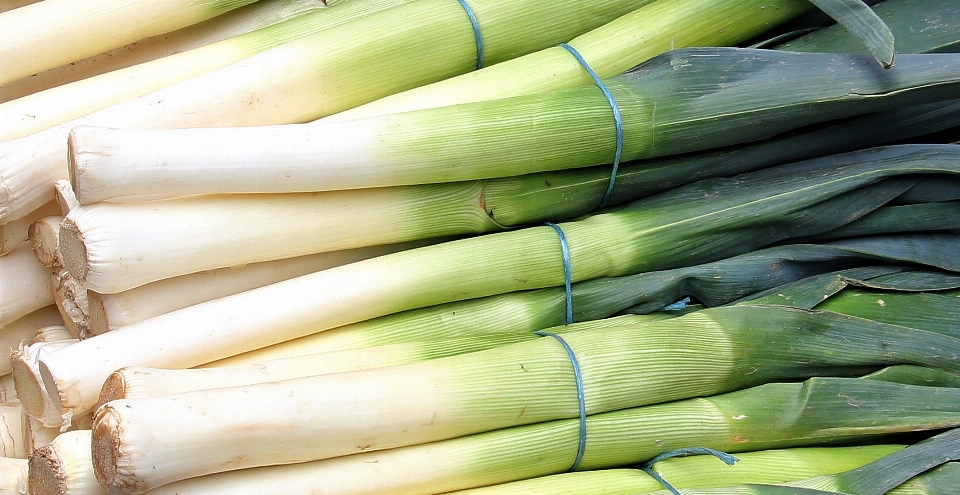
(476, 32)
(583, 406)
(567, 271)
(618, 119)
(648, 466)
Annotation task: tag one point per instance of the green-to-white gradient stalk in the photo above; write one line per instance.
(702, 353)
(765, 466)
(49, 34)
(236, 22)
(683, 101)
(325, 72)
(780, 415)
(609, 50)
(45, 109)
(718, 218)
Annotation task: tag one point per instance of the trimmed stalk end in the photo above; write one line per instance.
(115, 387)
(30, 392)
(73, 169)
(106, 453)
(43, 236)
(46, 473)
(73, 252)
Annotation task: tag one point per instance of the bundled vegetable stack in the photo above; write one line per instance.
(431, 246)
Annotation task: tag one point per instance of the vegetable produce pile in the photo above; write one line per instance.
(480, 247)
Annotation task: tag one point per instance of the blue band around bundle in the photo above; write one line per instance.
(476, 32)
(567, 271)
(583, 406)
(648, 466)
(618, 119)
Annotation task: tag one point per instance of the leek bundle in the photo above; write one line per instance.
(919, 26)
(413, 44)
(609, 50)
(64, 103)
(776, 415)
(198, 225)
(50, 34)
(664, 103)
(622, 367)
(714, 284)
(765, 466)
(720, 218)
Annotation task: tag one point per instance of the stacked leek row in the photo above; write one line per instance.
(775, 267)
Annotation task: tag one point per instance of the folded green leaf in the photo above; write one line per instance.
(863, 23)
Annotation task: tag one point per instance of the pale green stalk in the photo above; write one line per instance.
(703, 353)
(743, 214)
(817, 412)
(767, 466)
(325, 72)
(609, 50)
(680, 102)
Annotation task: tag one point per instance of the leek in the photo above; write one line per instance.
(664, 103)
(236, 22)
(328, 71)
(714, 284)
(64, 466)
(46, 109)
(110, 311)
(742, 213)
(49, 34)
(198, 225)
(609, 50)
(622, 367)
(777, 415)
(766, 466)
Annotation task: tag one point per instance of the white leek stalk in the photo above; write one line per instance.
(138, 382)
(36, 402)
(17, 231)
(11, 431)
(65, 197)
(109, 311)
(609, 50)
(411, 44)
(44, 237)
(43, 110)
(71, 300)
(113, 247)
(24, 329)
(24, 284)
(52, 33)
(238, 21)
(13, 475)
(8, 388)
(64, 466)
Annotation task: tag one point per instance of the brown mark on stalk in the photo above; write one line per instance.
(522, 367)
(739, 439)
(364, 447)
(522, 411)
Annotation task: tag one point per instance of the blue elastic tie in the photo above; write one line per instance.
(476, 32)
(583, 406)
(567, 272)
(677, 306)
(648, 466)
(616, 117)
